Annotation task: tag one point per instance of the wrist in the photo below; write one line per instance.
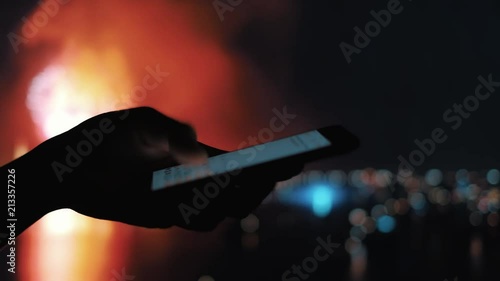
(25, 204)
(40, 186)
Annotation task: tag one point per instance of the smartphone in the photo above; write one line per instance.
(305, 147)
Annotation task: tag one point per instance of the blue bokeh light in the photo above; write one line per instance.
(493, 176)
(386, 224)
(434, 177)
(322, 200)
(417, 201)
(320, 197)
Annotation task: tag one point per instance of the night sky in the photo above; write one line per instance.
(399, 86)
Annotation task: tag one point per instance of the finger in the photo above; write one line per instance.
(160, 136)
(185, 147)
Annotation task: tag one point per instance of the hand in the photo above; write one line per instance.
(105, 167)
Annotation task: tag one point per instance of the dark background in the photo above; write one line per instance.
(397, 89)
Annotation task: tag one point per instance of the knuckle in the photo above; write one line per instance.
(146, 110)
(187, 130)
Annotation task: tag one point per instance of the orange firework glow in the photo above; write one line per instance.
(95, 56)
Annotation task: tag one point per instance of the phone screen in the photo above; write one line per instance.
(239, 159)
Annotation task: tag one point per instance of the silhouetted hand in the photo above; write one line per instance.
(104, 167)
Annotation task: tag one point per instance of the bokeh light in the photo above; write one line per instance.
(355, 179)
(370, 224)
(417, 201)
(320, 197)
(206, 278)
(353, 246)
(337, 177)
(433, 177)
(357, 216)
(443, 197)
(250, 224)
(250, 241)
(322, 202)
(386, 224)
(493, 176)
(358, 232)
(390, 206)
(383, 177)
(462, 177)
(378, 211)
